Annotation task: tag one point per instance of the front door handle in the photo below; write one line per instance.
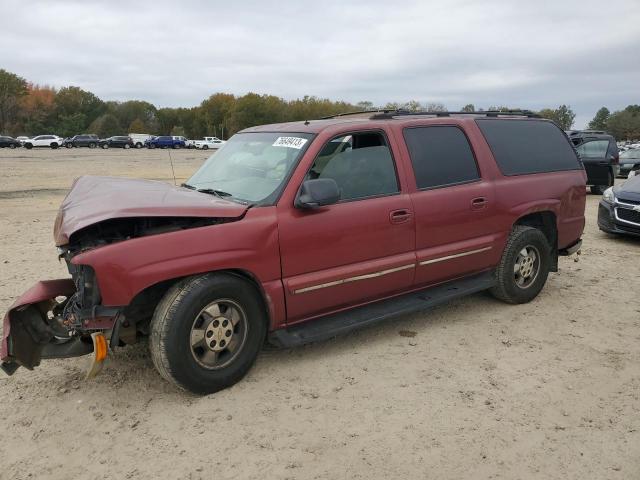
(478, 203)
(399, 216)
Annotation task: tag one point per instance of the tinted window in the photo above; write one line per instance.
(440, 156)
(594, 148)
(528, 146)
(360, 163)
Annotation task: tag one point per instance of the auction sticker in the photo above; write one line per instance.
(290, 142)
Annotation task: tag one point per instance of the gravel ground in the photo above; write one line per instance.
(473, 389)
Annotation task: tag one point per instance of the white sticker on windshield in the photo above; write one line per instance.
(290, 142)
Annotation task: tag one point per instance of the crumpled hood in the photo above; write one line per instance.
(95, 199)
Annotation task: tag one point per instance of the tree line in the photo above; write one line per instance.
(30, 109)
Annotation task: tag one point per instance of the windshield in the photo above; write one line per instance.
(630, 154)
(251, 167)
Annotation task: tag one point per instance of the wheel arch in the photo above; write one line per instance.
(546, 222)
(144, 302)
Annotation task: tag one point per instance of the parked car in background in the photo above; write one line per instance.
(22, 139)
(9, 142)
(116, 142)
(51, 141)
(139, 139)
(299, 232)
(599, 154)
(209, 143)
(619, 209)
(629, 160)
(84, 140)
(166, 141)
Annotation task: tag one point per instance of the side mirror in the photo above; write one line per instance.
(317, 193)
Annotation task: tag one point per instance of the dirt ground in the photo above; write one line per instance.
(547, 390)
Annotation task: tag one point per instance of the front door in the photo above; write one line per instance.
(357, 250)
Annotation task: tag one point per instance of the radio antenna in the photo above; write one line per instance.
(173, 172)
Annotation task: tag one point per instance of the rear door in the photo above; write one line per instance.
(454, 205)
(358, 250)
(593, 153)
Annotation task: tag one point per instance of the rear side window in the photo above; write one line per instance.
(528, 146)
(594, 148)
(441, 156)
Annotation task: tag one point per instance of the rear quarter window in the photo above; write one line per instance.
(523, 147)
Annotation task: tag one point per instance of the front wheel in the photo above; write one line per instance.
(127, 146)
(28, 146)
(54, 145)
(105, 146)
(524, 266)
(207, 331)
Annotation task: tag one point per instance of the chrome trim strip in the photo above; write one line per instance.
(451, 257)
(366, 276)
(615, 213)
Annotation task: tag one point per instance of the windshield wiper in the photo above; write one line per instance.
(213, 191)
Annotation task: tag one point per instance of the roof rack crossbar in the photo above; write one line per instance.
(388, 114)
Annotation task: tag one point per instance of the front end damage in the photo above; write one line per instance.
(56, 319)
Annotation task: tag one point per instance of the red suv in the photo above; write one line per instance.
(297, 232)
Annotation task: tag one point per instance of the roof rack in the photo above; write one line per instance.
(384, 114)
(580, 132)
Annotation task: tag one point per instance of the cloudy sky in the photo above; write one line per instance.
(530, 54)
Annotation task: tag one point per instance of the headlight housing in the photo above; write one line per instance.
(608, 196)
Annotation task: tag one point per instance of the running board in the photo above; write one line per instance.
(343, 322)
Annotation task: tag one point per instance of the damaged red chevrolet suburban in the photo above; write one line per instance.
(298, 232)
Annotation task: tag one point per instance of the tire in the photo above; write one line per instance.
(54, 145)
(205, 147)
(92, 145)
(12, 146)
(182, 356)
(514, 286)
(69, 145)
(105, 146)
(127, 146)
(28, 146)
(176, 146)
(139, 145)
(152, 146)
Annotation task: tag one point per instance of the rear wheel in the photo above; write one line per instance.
(69, 145)
(105, 145)
(205, 147)
(126, 146)
(139, 145)
(54, 145)
(176, 146)
(207, 331)
(92, 145)
(12, 145)
(524, 266)
(28, 146)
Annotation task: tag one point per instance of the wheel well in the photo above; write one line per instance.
(143, 305)
(546, 223)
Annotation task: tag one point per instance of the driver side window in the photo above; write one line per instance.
(360, 163)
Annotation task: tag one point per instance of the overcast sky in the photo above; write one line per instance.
(530, 54)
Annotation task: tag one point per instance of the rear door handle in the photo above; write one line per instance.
(399, 216)
(478, 203)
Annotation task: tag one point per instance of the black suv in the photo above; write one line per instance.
(9, 142)
(116, 142)
(90, 141)
(599, 154)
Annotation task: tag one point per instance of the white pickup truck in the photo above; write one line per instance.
(208, 142)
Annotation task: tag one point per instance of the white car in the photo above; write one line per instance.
(139, 139)
(209, 142)
(51, 141)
